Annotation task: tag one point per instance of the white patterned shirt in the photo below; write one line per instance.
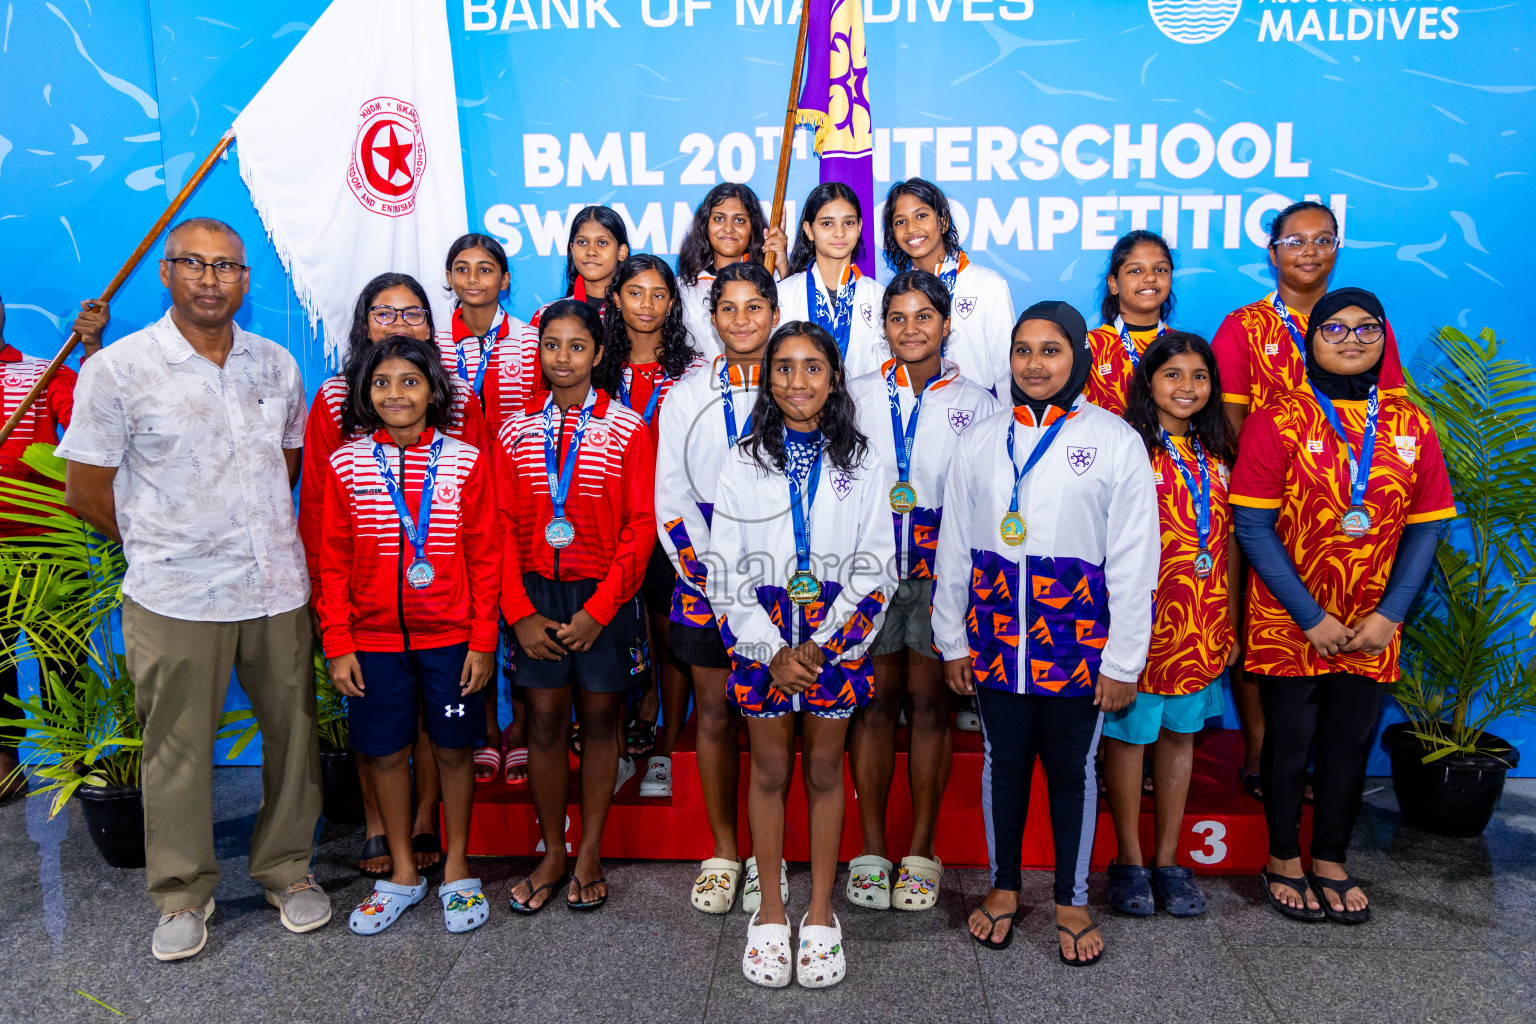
(202, 493)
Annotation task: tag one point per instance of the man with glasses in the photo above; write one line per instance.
(185, 446)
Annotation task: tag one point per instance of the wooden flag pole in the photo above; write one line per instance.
(789, 127)
(117, 281)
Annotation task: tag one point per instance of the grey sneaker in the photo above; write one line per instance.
(183, 933)
(303, 906)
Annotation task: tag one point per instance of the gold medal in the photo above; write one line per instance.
(804, 588)
(1012, 529)
(903, 498)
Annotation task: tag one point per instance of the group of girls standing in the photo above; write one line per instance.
(820, 505)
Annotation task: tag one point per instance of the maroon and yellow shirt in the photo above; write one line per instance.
(1109, 382)
(1292, 460)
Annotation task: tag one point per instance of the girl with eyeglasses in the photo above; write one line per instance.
(390, 304)
(1337, 496)
(1259, 355)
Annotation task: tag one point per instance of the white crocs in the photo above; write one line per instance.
(765, 961)
(917, 886)
(869, 882)
(715, 889)
(752, 890)
(820, 962)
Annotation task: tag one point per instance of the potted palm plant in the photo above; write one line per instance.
(60, 586)
(340, 789)
(1468, 660)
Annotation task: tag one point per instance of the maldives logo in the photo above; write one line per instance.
(1193, 21)
(388, 157)
(1080, 459)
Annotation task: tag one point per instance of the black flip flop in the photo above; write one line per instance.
(428, 842)
(524, 908)
(373, 846)
(1251, 782)
(580, 885)
(1339, 887)
(1079, 962)
(987, 942)
(640, 737)
(1300, 913)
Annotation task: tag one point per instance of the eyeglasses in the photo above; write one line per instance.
(1294, 244)
(190, 268)
(1338, 334)
(415, 316)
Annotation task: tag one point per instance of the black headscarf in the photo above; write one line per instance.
(1065, 316)
(1354, 387)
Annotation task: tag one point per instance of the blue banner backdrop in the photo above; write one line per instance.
(1054, 124)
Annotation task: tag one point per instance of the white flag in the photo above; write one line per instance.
(351, 153)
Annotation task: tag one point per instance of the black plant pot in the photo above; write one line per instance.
(341, 792)
(1454, 796)
(115, 817)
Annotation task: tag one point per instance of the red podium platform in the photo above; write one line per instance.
(1223, 832)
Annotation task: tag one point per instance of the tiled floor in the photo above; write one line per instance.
(1454, 939)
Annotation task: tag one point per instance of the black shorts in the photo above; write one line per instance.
(656, 588)
(619, 657)
(398, 685)
(699, 646)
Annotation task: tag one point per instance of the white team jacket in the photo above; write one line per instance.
(981, 326)
(867, 348)
(689, 455)
(1083, 598)
(951, 404)
(701, 325)
(751, 555)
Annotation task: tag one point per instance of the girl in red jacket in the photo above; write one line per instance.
(575, 477)
(409, 564)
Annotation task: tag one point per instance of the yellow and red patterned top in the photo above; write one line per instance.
(1259, 363)
(1192, 632)
(1109, 382)
(1292, 460)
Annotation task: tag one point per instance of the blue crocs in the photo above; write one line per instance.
(1176, 891)
(1130, 890)
(384, 906)
(464, 906)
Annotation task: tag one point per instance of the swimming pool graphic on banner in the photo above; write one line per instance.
(1193, 21)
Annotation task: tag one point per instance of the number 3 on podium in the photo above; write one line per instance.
(1214, 851)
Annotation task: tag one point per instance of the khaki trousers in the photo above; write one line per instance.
(181, 670)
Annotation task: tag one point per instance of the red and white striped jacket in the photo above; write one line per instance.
(610, 504)
(44, 422)
(365, 603)
(322, 437)
(513, 376)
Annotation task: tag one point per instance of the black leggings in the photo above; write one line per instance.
(1064, 733)
(1332, 718)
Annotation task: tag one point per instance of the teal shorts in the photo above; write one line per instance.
(1150, 713)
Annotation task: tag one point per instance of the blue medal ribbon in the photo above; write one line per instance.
(1130, 345)
(1035, 455)
(1359, 468)
(415, 529)
(728, 407)
(487, 342)
(655, 400)
(1290, 325)
(1201, 496)
(904, 435)
(800, 511)
(560, 482)
(836, 318)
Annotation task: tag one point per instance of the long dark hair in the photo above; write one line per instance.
(804, 252)
(473, 240)
(607, 220)
(1209, 425)
(571, 309)
(1109, 304)
(754, 274)
(357, 338)
(838, 424)
(677, 351)
(696, 255)
(929, 194)
(421, 354)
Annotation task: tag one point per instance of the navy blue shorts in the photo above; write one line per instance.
(620, 657)
(398, 683)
